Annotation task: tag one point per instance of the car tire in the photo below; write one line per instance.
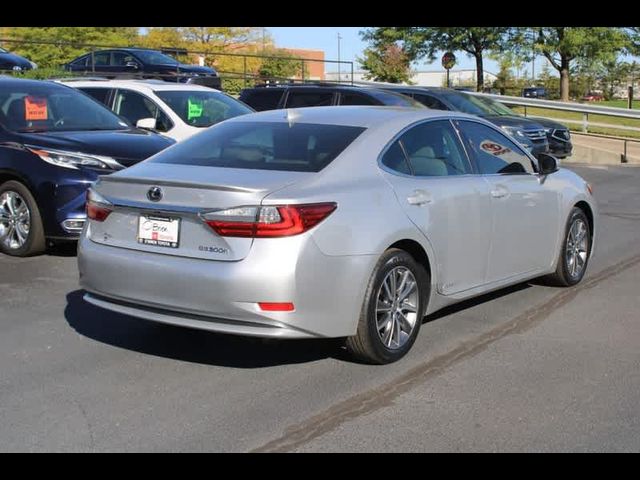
(22, 243)
(383, 334)
(573, 257)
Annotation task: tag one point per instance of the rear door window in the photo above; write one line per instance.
(100, 94)
(309, 98)
(262, 99)
(433, 150)
(300, 147)
(352, 98)
(429, 101)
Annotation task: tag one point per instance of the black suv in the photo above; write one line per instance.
(143, 63)
(538, 136)
(320, 95)
(534, 92)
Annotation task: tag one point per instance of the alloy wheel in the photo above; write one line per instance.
(397, 307)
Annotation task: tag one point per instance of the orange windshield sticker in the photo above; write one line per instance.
(35, 108)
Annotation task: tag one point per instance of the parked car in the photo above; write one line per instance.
(319, 95)
(331, 222)
(534, 92)
(16, 63)
(538, 136)
(54, 142)
(175, 110)
(593, 97)
(143, 63)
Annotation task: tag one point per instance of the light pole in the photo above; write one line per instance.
(533, 57)
(339, 64)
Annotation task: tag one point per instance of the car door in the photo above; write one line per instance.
(429, 170)
(525, 210)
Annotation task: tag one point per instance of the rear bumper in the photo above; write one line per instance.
(222, 296)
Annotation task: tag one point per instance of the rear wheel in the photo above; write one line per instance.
(574, 252)
(21, 230)
(392, 311)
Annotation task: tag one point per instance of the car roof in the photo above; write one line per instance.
(358, 116)
(8, 81)
(354, 88)
(416, 88)
(141, 85)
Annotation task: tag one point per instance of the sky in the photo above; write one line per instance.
(351, 46)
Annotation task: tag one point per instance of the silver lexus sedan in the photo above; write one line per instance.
(348, 222)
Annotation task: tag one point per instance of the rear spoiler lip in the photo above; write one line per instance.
(175, 183)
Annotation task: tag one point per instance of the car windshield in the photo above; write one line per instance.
(296, 147)
(398, 99)
(48, 107)
(471, 104)
(498, 107)
(155, 58)
(202, 108)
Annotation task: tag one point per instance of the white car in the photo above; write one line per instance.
(175, 110)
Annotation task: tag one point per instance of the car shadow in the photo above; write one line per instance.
(472, 302)
(210, 348)
(62, 249)
(191, 345)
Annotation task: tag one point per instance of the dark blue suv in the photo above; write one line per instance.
(143, 63)
(54, 142)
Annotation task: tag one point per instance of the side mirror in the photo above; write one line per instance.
(146, 123)
(547, 164)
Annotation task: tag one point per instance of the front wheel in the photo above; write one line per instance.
(21, 231)
(575, 250)
(392, 311)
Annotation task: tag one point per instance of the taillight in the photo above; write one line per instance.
(98, 207)
(268, 221)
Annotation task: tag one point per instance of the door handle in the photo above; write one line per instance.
(419, 197)
(499, 192)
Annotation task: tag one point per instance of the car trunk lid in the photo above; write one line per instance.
(167, 199)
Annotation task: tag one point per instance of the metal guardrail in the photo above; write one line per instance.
(566, 106)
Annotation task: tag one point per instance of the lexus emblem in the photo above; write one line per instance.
(154, 194)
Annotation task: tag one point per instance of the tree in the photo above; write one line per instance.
(70, 41)
(387, 63)
(280, 65)
(612, 75)
(633, 40)
(425, 42)
(564, 45)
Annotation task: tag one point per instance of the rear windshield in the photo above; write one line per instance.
(299, 147)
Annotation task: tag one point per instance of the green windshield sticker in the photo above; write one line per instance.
(195, 109)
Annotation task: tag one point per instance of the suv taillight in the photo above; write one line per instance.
(267, 221)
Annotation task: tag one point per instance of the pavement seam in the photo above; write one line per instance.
(379, 397)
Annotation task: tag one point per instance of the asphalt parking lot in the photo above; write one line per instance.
(529, 368)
